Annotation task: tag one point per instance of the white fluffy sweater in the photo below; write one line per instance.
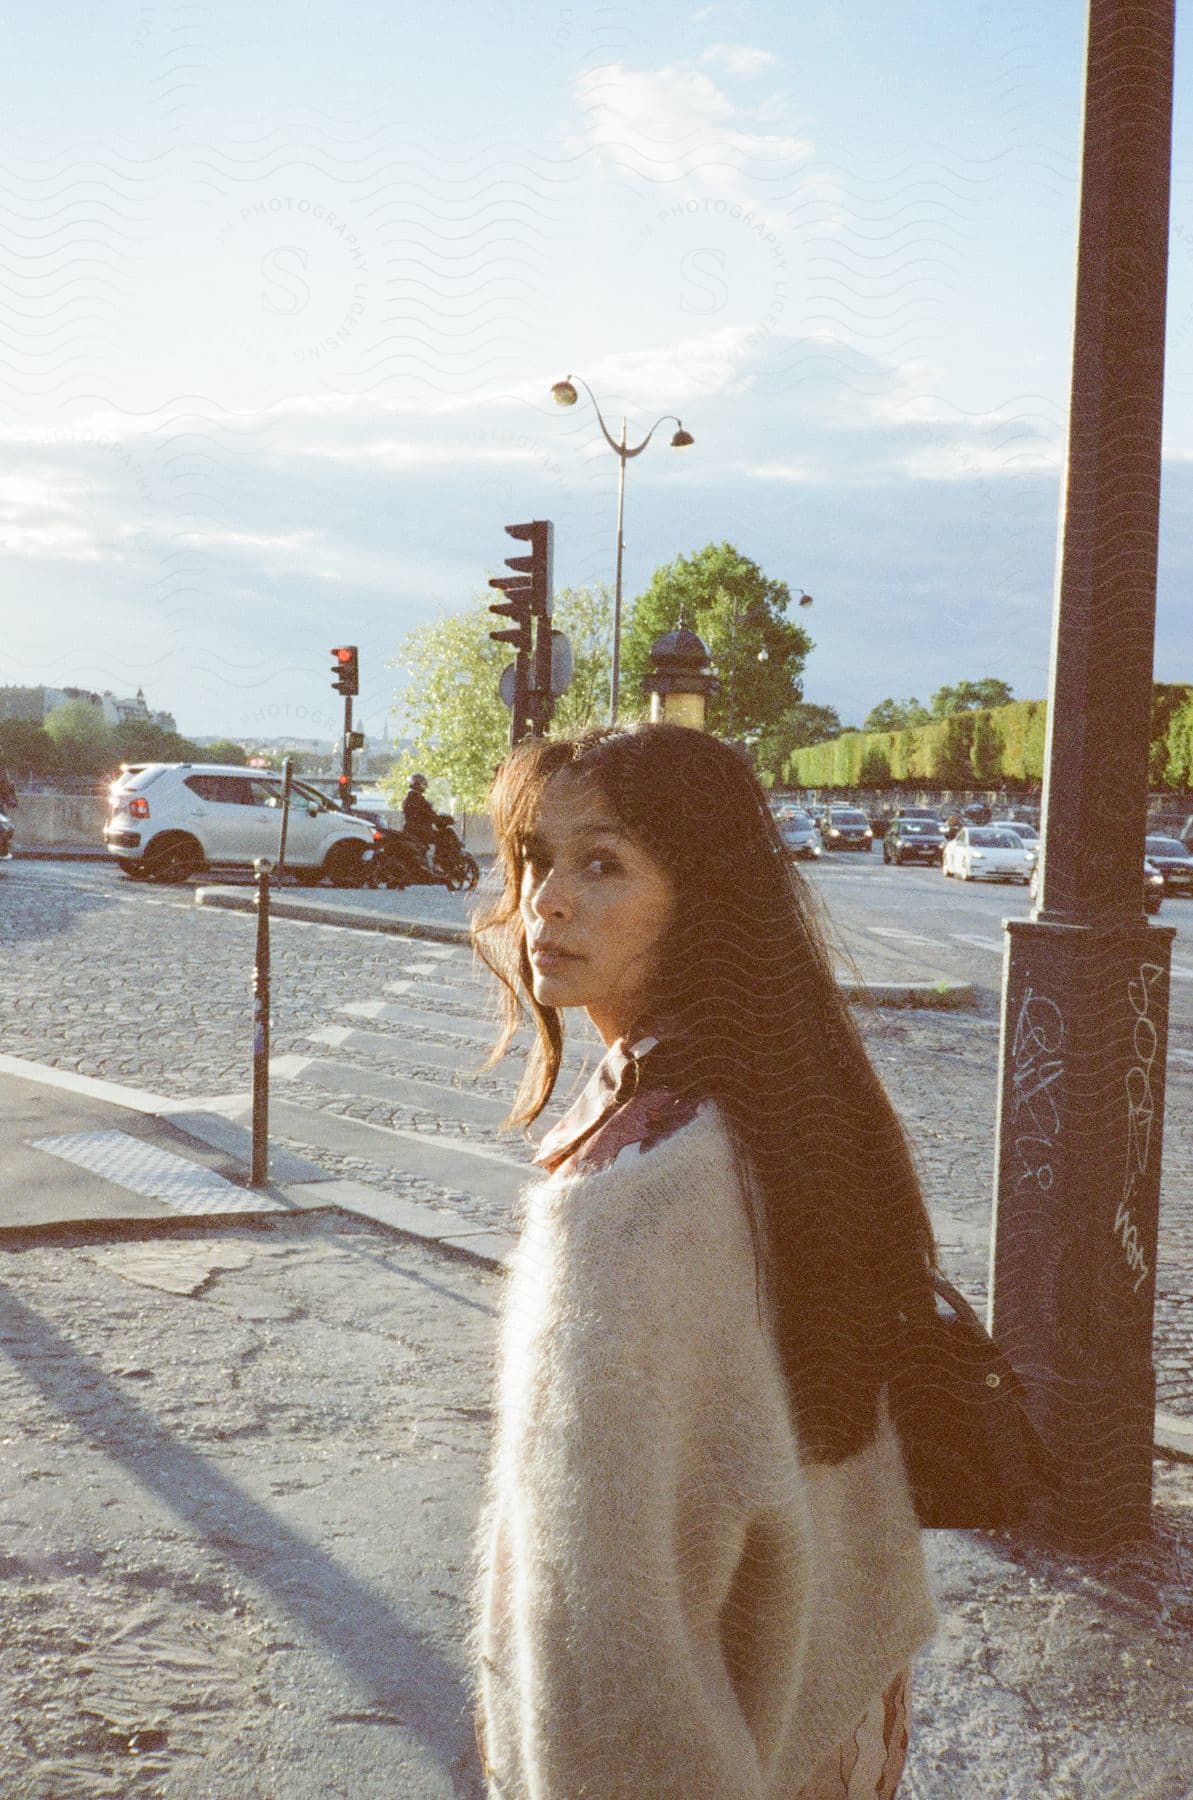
(672, 1605)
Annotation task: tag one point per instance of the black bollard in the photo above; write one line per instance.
(260, 1165)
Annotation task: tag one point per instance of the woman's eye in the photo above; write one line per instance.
(605, 865)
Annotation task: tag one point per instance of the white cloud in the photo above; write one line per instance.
(739, 59)
(675, 124)
(390, 453)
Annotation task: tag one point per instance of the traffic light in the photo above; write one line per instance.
(516, 607)
(527, 602)
(345, 670)
(528, 590)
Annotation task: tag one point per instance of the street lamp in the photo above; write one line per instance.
(564, 394)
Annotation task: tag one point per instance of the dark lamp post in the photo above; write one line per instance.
(1085, 982)
(564, 394)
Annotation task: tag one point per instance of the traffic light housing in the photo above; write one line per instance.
(527, 603)
(345, 670)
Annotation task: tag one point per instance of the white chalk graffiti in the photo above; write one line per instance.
(1141, 1112)
(1035, 1066)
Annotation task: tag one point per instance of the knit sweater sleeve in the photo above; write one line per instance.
(633, 1368)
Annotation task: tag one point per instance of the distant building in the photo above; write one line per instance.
(37, 703)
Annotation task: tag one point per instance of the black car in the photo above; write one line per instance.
(1174, 861)
(846, 828)
(914, 840)
(976, 813)
(800, 834)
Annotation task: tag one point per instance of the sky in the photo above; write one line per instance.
(283, 291)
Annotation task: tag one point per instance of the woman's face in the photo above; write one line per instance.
(595, 906)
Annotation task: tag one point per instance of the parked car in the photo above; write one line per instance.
(6, 831)
(985, 853)
(914, 840)
(800, 834)
(1174, 861)
(976, 813)
(846, 828)
(1153, 886)
(168, 821)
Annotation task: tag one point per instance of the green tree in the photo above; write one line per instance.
(585, 616)
(969, 696)
(27, 747)
(738, 611)
(896, 715)
(985, 756)
(85, 742)
(875, 771)
(140, 740)
(801, 725)
(225, 750)
(451, 706)
(1168, 700)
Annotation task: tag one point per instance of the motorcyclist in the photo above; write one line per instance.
(421, 820)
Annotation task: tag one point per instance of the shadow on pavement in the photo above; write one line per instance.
(23, 915)
(396, 1671)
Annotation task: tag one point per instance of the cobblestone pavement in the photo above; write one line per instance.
(238, 1495)
(145, 988)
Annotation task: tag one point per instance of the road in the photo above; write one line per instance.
(377, 1040)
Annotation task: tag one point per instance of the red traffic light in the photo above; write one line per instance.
(345, 670)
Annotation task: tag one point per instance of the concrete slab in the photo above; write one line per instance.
(42, 1190)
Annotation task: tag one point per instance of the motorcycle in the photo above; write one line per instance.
(399, 861)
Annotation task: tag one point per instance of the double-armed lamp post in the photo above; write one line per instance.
(564, 394)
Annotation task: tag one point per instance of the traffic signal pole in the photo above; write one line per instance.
(346, 755)
(1086, 979)
(346, 680)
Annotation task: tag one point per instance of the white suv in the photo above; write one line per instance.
(168, 821)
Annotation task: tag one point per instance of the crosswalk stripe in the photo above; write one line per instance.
(903, 937)
(443, 1098)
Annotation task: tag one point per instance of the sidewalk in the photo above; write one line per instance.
(245, 1455)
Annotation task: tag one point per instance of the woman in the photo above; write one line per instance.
(701, 1573)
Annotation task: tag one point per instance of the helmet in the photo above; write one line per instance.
(418, 781)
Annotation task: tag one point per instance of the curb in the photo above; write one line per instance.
(939, 995)
(59, 853)
(349, 917)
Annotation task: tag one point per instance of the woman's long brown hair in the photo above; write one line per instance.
(756, 1021)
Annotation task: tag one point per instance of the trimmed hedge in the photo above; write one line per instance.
(998, 746)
